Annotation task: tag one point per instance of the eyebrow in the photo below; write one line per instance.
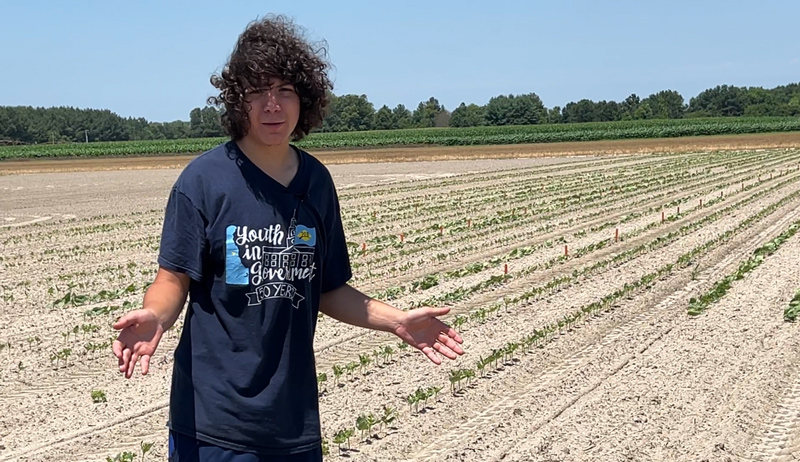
(265, 87)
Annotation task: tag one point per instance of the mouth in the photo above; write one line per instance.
(272, 124)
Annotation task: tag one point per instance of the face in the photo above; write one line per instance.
(273, 113)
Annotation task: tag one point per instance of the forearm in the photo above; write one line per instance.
(165, 299)
(350, 306)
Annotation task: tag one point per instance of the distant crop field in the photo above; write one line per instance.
(640, 129)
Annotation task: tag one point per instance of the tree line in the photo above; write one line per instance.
(24, 124)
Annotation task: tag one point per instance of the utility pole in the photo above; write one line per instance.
(86, 132)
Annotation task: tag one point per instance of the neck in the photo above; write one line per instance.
(274, 157)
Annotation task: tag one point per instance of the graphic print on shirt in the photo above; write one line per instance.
(270, 260)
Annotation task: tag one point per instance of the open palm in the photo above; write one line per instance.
(140, 333)
(420, 328)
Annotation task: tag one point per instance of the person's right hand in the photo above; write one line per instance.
(140, 333)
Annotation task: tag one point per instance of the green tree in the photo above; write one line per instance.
(667, 104)
(554, 115)
(204, 123)
(7, 125)
(67, 124)
(607, 111)
(794, 105)
(426, 113)
(468, 116)
(195, 122)
(515, 110)
(401, 117)
(582, 111)
(349, 113)
(760, 102)
(442, 119)
(629, 106)
(498, 109)
(720, 101)
(644, 111)
(528, 109)
(111, 129)
(382, 120)
(211, 126)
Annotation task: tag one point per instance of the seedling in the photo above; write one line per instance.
(343, 436)
(791, 311)
(459, 320)
(421, 395)
(145, 448)
(364, 361)
(122, 457)
(351, 366)
(388, 351)
(695, 272)
(57, 357)
(99, 396)
(389, 416)
(322, 378)
(411, 400)
(337, 372)
(365, 424)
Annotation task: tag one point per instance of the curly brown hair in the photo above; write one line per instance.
(273, 48)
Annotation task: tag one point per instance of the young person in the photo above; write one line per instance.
(253, 236)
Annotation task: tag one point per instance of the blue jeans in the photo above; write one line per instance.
(183, 448)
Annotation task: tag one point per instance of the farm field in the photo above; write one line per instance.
(593, 293)
(451, 136)
(437, 153)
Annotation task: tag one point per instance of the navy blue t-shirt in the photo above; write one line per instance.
(259, 256)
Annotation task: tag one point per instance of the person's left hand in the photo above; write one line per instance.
(421, 329)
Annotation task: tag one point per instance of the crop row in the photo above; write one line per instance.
(561, 282)
(472, 234)
(436, 136)
(537, 336)
(433, 217)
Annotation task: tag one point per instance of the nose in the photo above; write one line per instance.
(271, 104)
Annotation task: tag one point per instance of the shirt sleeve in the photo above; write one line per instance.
(336, 267)
(183, 240)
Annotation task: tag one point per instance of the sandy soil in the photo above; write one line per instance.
(640, 380)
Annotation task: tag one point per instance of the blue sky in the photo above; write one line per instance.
(153, 59)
